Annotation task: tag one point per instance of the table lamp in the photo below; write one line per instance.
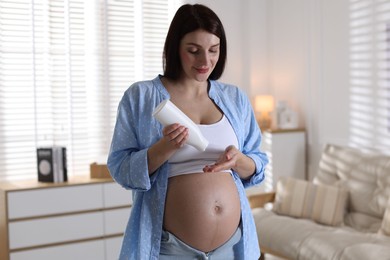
(264, 105)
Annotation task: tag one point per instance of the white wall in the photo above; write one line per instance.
(328, 76)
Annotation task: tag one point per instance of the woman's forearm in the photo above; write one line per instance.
(174, 137)
(157, 156)
(245, 166)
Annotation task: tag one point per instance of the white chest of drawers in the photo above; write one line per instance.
(81, 219)
(286, 150)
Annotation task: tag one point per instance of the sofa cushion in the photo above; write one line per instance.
(294, 198)
(302, 199)
(305, 240)
(329, 205)
(363, 174)
(385, 228)
(338, 243)
(363, 222)
(283, 234)
(377, 251)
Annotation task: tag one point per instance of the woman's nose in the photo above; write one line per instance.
(203, 58)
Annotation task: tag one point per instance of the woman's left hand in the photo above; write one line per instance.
(233, 159)
(227, 161)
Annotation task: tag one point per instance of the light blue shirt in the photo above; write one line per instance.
(136, 130)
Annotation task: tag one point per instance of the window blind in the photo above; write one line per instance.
(64, 65)
(369, 74)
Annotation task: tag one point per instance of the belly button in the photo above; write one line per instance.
(217, 208)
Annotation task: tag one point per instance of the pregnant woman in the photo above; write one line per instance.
(189, 204)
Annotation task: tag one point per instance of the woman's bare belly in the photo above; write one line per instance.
(202, 209)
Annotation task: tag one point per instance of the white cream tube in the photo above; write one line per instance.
(167, 113)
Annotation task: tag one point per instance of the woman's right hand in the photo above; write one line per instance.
(174, 137)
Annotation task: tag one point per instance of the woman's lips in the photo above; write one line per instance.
(202, 70)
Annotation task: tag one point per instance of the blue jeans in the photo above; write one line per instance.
(173, 248)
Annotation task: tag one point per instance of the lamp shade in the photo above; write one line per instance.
(264, 103)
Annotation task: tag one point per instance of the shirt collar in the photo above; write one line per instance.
(160, 87)
(213, 90)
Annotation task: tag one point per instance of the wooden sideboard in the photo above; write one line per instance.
(83, 218)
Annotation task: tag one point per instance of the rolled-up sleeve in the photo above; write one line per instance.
(251, 145)
(127, 160)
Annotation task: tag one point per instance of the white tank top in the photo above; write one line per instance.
(189, 160)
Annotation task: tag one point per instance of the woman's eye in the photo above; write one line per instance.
(213, 50)
(193, 51)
